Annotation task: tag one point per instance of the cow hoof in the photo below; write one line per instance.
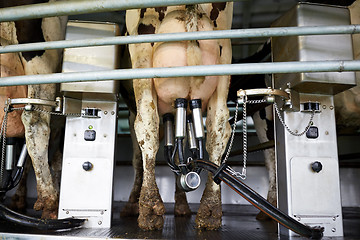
(18, 203)
(151, 217)
(49, 207)
(39, 205)
(209, 217)
(261, 216)
(182, 210)
(151, 209)
(49, 214)
(130, 210)
(151, 222)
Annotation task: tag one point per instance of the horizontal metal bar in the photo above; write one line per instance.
(171, 37)
(203, 70)
(17, 101)
(62, 8)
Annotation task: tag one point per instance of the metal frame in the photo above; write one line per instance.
(78, 6)
(201, 70)
(172, 37)
(73, 7)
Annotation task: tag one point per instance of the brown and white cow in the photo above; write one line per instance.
(155, 97)
(36, 124)
(347, 103)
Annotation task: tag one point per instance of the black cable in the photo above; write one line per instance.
(182, 162)
(259, 202)
(168, 156)
(46, 224)
(17, 177)
(172, 159)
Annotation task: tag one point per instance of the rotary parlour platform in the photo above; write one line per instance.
(238, 223)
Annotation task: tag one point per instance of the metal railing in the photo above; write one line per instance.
(73, 7)
(201, 70)
(172, 37)
(79, 6)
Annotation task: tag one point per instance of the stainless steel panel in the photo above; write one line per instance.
(315, 196)
(311, 198)
(314, 48)
(71, 105)
(91, 58)
(88, 194)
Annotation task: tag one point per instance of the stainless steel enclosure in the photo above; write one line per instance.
(89, 146)
(307, 165)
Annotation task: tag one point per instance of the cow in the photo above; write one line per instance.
(155, 97)
(36, 124)
(347, 103)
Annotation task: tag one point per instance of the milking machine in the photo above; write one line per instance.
(86, 190)
(306, 150)
(307, 162)
(190, 126)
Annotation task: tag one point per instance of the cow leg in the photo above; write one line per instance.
(37, 133)
(272, 195)
(56, 166)
(264, 125)
(55, 148)
(132, 206)
(181, 208)
(218, 133)
(151, 207)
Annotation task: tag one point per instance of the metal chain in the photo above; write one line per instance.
(287, 127)
(56, 113)
(256, 101)
(232, 134)
(241, 175)
(3, 137)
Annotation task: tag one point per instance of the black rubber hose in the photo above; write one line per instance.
(168, 155)
(259, 202)
(46, 224)
(17, 176)
(172, 159)
(182, 162)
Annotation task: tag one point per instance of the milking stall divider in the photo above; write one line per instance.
(306, 93)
